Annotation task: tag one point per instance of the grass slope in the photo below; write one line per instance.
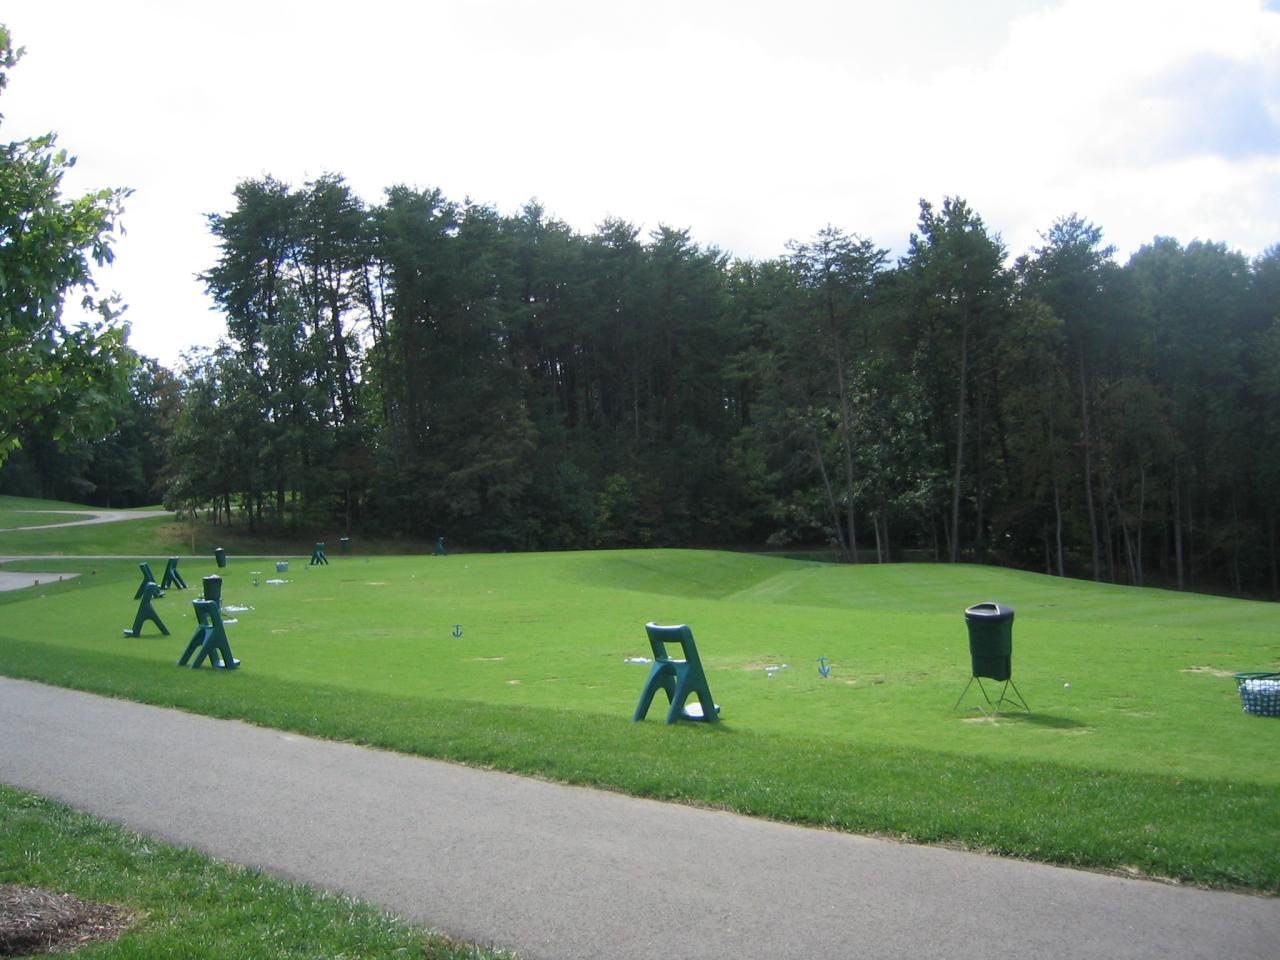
(1145, 763)
(187, 905)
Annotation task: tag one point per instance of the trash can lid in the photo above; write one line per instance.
(996, 611)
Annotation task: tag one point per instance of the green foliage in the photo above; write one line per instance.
(67, 378)
(423, 367)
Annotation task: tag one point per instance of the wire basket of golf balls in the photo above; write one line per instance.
(1260, 693)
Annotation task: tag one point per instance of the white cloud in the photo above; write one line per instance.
(752, 122)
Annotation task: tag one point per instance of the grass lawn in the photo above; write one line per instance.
(1144, 764)
(160, 536)
(184, 904)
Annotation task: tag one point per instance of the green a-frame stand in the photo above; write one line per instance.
(172, 578)
(147, 577)
(148, 592)
(210, 639)
(678, 678)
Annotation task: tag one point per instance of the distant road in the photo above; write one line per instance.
(92, 516)
(16, 581)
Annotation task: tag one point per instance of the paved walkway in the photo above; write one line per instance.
(16, 581)
(563, 872)
(92, 516)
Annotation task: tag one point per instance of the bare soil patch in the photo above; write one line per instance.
(1211, 671)
(34, 921)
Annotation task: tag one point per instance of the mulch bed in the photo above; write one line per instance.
(37, 921)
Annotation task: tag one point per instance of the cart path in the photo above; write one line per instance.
(561, 873)
(91, 516)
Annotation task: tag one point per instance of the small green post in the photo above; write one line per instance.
(147, 612)
(439, 547)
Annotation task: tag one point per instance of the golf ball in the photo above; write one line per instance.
(1066, 686)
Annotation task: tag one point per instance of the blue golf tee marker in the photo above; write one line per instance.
(824, 670)
(457, 631)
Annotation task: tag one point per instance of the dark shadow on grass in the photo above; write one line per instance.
(1044, 720)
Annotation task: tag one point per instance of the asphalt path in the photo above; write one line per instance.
(16, 581)
(91, 516)
(560, 872)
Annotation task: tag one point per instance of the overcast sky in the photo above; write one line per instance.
(752, 123)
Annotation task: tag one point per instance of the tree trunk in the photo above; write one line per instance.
(1142, 509)
(1128, 540)
(1271, 550)
(980, 533)
(1057, 526)
(1088, 470)
(1177, 525)
(831, 500)
(1235, 543)
(1057, 499)
(846, 431)
(955, 488)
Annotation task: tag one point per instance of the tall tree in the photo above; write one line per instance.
(1071, 273)
(836, 277)
(65, 376)
(959, 289)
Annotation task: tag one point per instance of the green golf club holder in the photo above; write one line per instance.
(318, 557)
(172, 578)
(209, 640)
(439, 551)
(679, 678)
(147, 612)
(147, 577)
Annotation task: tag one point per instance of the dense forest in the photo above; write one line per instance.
(423, 367)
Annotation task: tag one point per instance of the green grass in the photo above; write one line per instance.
(28, 503)
(162, 535)
(191, 906)
(1146, 763)
(11, 519)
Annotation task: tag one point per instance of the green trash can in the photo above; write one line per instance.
(990, 640)
(213, 588)
(344, 544)
(220, 556)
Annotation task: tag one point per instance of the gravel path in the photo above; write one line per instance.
(564, 872)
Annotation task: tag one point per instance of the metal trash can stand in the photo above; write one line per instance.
(991, 653)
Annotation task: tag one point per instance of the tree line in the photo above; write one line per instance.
(424, 367)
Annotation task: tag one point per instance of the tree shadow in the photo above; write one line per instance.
(1047, 720)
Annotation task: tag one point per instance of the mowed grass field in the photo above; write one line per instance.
(1144, 764)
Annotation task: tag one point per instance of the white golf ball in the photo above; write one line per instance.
(1066, 686)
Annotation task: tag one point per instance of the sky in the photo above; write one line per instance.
(749, 123)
